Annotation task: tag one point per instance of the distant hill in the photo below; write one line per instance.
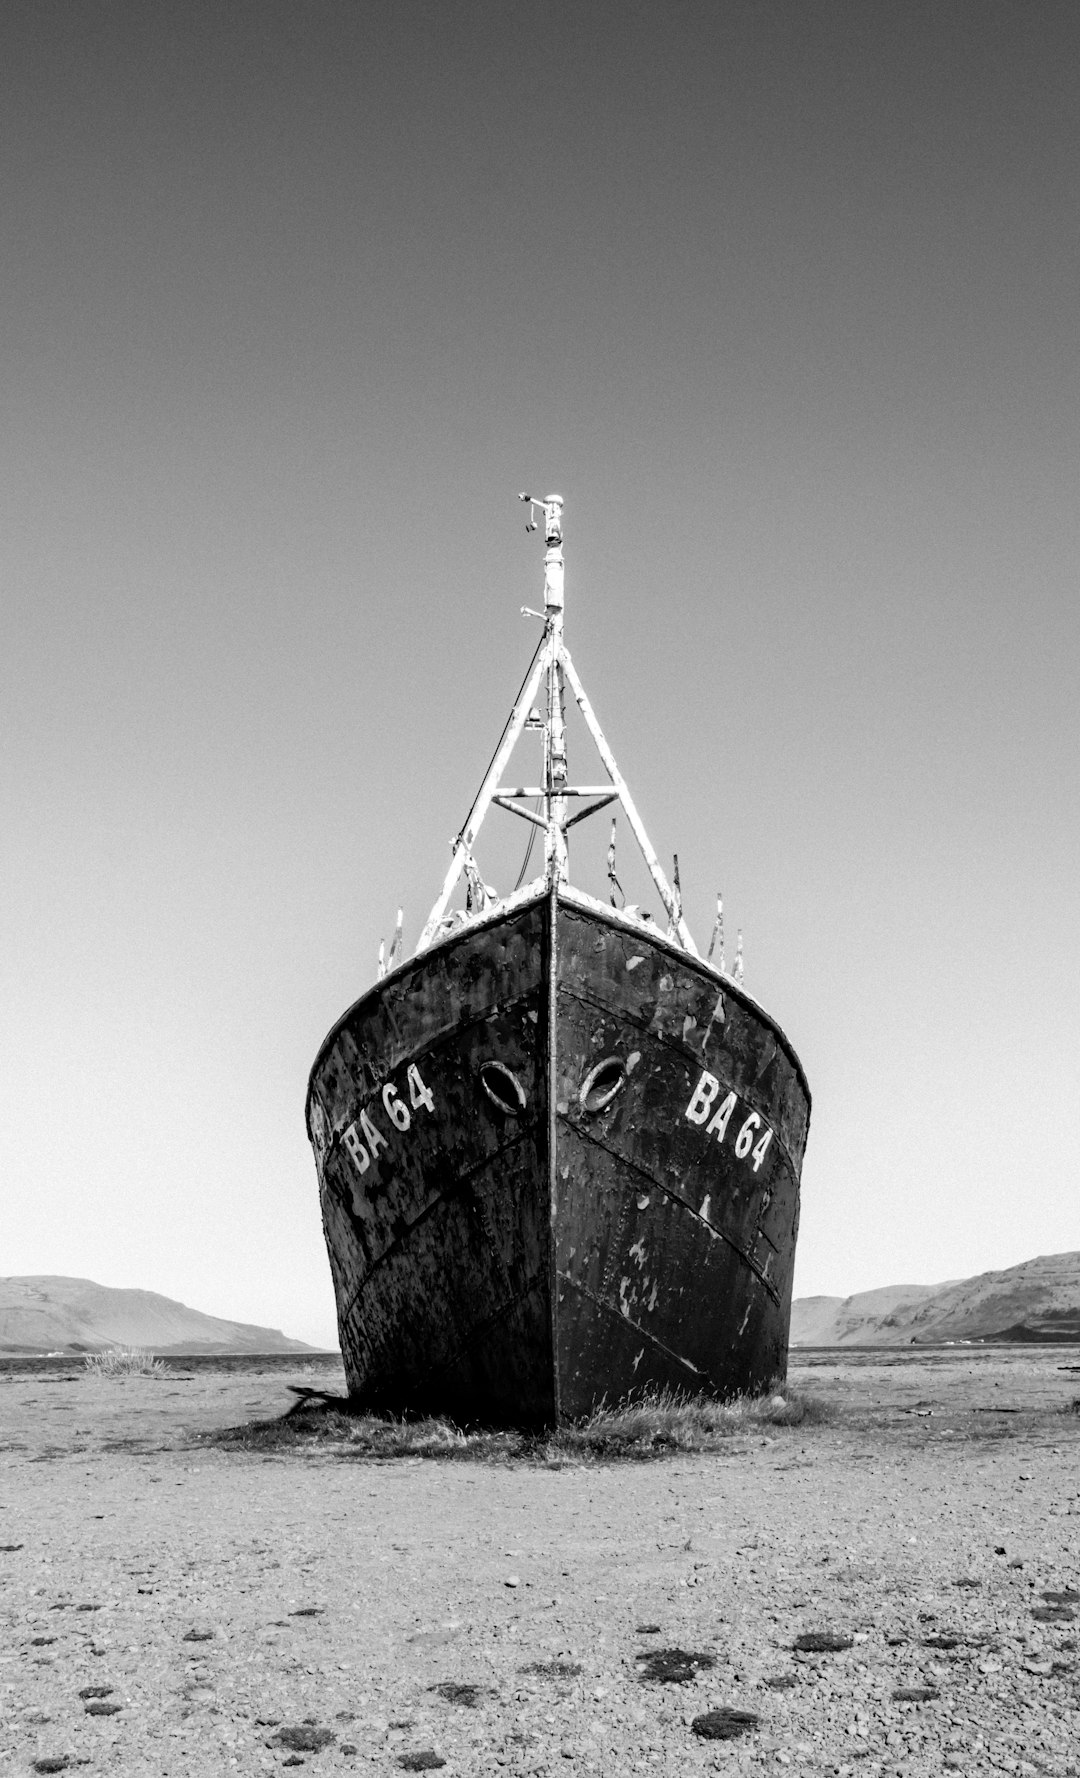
(73, 1315)
(1038, 1300)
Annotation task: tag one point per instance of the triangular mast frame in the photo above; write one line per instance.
(552, 661)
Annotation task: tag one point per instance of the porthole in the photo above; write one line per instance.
(602, 1083)
(503, 1088)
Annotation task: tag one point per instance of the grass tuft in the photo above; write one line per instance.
(124, 1361)
(654, 1426)
(663, 1421)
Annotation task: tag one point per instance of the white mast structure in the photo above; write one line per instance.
(552, 660)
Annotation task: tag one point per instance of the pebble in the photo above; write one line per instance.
(454, 1691)
(724, 1724)
(304, 1738)
(673, 1666)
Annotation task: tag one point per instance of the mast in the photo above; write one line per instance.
(556, 853)
(552, 663)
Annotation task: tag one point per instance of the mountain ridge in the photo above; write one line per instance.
(1036, 1300)
(46, 1313)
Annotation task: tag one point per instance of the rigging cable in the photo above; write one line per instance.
(502, 736)
(528, 850)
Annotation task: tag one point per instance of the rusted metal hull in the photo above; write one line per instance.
(559, 1163)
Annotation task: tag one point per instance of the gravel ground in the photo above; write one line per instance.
(242, 1612)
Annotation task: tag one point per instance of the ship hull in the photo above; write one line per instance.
(559, 1164)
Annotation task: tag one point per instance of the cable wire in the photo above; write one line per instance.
(505, 726)
(528, 851)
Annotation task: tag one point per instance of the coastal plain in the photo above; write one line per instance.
(170, 1605)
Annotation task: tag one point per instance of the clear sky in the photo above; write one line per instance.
(784, 299)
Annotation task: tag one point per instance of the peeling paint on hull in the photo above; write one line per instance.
(518, 1242)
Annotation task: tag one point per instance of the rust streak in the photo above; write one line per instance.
(627, 1321)
(677, 1199)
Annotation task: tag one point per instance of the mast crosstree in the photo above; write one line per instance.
(552, 663)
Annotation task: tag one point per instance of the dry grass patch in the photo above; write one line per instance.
(656, 1426)
(667, 1422)
(124, 1361)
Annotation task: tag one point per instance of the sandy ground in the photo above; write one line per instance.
(224, 1601)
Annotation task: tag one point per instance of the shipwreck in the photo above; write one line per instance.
(558, 1150)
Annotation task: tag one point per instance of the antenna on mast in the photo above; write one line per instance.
(551, 506)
